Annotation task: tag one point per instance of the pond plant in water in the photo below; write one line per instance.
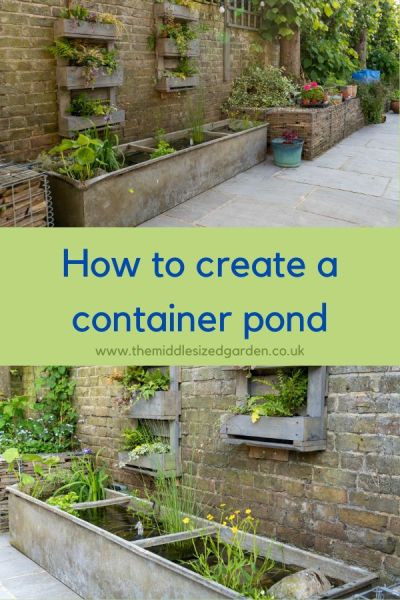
(287, 396)
(230, 564)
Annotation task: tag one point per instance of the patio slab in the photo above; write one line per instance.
(23, 579)
(355, 184)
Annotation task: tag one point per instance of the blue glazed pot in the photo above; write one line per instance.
(287, 155)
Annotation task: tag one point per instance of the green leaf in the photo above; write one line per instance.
(10, 455)
(85, 155)
(27, 479)
(328, 10)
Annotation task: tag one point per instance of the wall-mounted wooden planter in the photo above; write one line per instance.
(165, 405)
(151, 464)
(179, 13)
(174, 84)
(168, 47)
(74, 78)
(70, 124)
(73, 28)
(305, 433)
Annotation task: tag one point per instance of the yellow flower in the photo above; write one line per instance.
(222, 505)
(210, 517)
(248, 511)
(237, 512)
(186, 520)
(235, 529)
(223, 522)
(231, 517)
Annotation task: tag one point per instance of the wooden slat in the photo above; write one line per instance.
(176, 537)
(100, 503)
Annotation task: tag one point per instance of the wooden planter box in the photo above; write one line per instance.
(168, 47)
(304, 433)
(163, 405)
(176, 84)
(151, 464)
(74, 78)
(73, 28)
(69, 124)
(179, 13)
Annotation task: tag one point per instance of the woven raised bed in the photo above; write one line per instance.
(320, 128)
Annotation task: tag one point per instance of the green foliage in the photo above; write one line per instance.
(195, 112)
(141, 381)
(181, 33)
(260, 87)
(79, 13)
(163, 148)
(230, 564)
(173, 502)
(186, 68)
(47, 425)
(143, 441)
(384, 42)
(395, 95)
(43, 468)
(135, 437)
(288, 395)
(65, 502)
(87, 479)
(82, 106)
(84, 157)
(373, 97)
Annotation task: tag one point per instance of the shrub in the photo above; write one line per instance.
(373, 97)
(261, 87)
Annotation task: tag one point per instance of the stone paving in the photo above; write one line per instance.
(23, 579)
(355, 184)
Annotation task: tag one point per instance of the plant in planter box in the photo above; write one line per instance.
(313, 95)
(288, 395)
(94, 59)
(78, 12)
(260, 87)
(83, 106)
(395, 101)
(142, 442)
(143, 382)
(185, 68)
(287, 150)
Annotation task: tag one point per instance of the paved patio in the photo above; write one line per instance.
(22, 579)
(355, 184)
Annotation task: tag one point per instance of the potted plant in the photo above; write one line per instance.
(394, 102)
(287, 150)
(313, 95)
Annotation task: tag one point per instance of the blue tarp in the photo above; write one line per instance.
(367, 76)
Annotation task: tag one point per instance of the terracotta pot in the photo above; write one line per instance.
(354, 90)
(394, 105)
(305, 102)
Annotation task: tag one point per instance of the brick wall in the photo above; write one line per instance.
(28, 102)
(343, 502)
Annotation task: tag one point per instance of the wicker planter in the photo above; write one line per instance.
(73, 28)
(168, 47)
(75, 78)
(69, 124)
(151, 464)
(176, 84)
(179, 13)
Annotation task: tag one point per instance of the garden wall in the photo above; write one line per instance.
(28, 102)
(343, 502)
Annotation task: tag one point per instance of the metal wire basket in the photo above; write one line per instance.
(25, 198)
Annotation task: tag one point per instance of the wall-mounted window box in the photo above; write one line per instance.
(73, 28)
(174, 84)
(163, 405)
(69, 124)
(167, 10)
(75, 78)
(305, 432)
(151, 464)
(168, 47)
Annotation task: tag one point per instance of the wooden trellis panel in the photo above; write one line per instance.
(242, 14)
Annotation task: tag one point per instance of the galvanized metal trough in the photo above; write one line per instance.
(97, 564)
(145, 189)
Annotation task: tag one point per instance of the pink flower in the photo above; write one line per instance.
(307, 87)
(314, 84)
